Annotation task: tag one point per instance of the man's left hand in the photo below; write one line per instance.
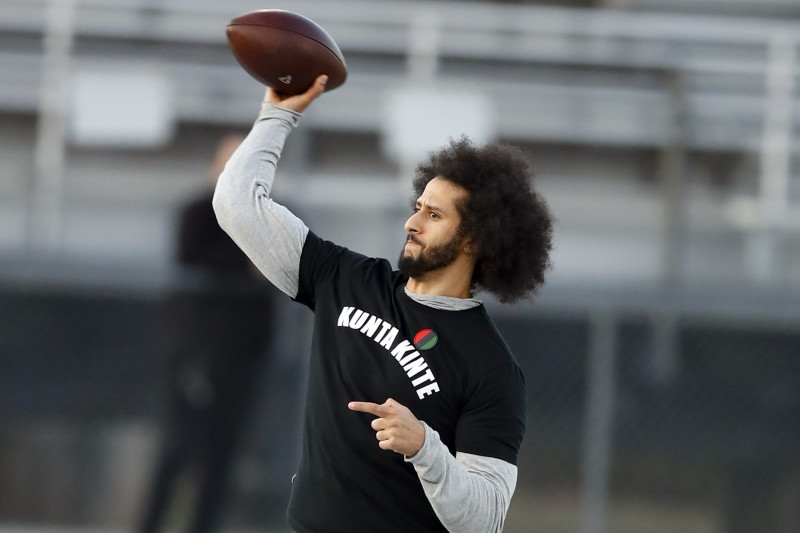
(396, 427)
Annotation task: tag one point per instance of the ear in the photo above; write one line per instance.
(469, 247)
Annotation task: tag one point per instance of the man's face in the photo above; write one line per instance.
(433, 240)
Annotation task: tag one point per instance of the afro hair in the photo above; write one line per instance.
(509, 223)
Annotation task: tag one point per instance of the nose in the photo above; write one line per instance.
(412, 225)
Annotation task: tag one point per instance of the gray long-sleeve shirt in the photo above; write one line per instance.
(469, 493)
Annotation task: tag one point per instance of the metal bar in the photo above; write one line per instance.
(672, 169)
(44, 216)
(599, 422)
(775, 157)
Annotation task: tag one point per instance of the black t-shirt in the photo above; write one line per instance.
(371, 342)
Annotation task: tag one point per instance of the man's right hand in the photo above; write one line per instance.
(298, 102)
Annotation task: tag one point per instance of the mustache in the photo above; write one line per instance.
(412, 238)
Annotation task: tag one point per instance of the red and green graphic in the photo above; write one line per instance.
(425, 339)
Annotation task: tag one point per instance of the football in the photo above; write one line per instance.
(285, 50)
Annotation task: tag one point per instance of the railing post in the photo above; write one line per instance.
(775, 157)
(43, 223)
(599, 421)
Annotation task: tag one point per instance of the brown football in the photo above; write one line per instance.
(285, 50)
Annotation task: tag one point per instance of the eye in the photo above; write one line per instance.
(434, 214)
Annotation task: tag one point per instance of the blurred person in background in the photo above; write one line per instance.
(215, 334)
(415, 409)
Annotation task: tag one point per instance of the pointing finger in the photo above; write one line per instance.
(367, 407)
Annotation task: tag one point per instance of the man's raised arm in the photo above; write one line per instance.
(270, 235)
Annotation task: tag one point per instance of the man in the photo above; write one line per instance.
(214, 336)
(416, 408)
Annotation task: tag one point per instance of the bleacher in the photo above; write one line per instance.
(661, 354)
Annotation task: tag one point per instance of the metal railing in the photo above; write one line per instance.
(573, 69)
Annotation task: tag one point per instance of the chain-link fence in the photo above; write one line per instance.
(662, 424)
(657, 423)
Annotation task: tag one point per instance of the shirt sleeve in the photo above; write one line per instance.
(469, 493)
(323, 262)
(268, 233)
(492, 422)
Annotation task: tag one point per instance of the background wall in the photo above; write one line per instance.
(663, 354)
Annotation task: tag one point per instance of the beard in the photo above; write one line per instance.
(429, 258)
